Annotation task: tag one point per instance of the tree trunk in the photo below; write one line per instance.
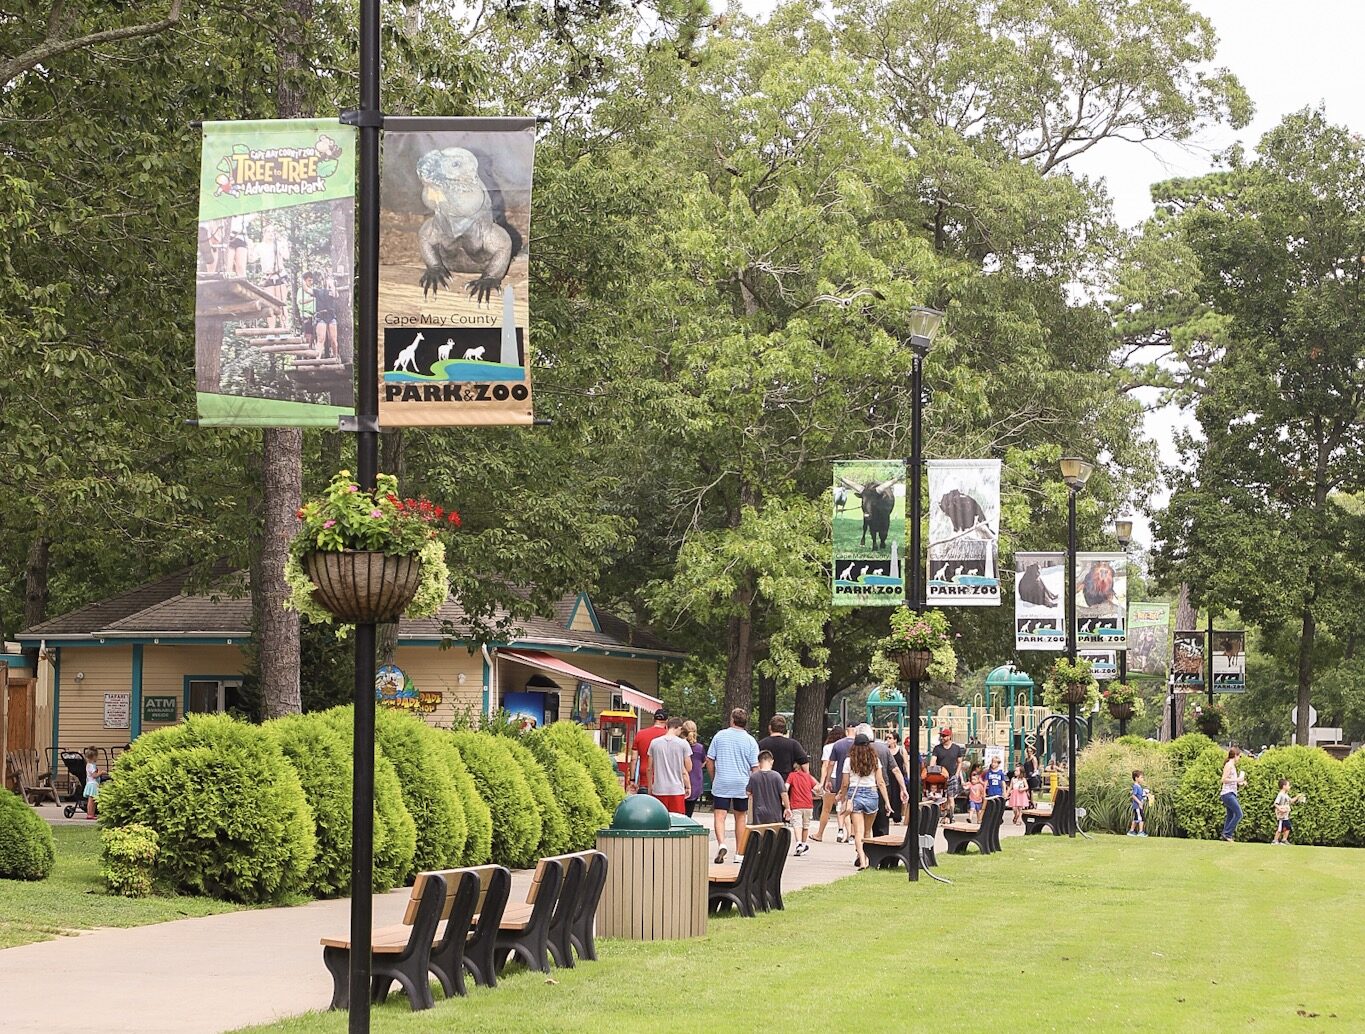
(277, 629)
(809, 721)
(767, 703)
(1306, 637)
(35, 580)
(739, 666)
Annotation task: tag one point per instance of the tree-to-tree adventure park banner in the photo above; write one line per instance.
(1187, 662)
(1149, 640)
(272, 328)
(869, 532)
(964, 529)
(455, 222)
(1102, 600)
(1229, 662)
(1040, 601)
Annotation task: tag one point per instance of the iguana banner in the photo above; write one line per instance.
(272, 324)
(1149, 640)
(869, 533)
(964, 533)
(1040, 601)
(455, 222)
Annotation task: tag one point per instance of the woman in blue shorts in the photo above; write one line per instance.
(865, 789)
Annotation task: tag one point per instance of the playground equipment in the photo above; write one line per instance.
(886, 709)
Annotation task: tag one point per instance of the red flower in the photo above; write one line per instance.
(454, 518)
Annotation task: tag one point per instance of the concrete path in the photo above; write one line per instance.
(218, 973)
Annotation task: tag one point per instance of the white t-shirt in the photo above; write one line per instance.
(1232, 778)
(1282, 805)
(826, 752)
(855, 781)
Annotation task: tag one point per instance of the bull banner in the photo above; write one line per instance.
(869, 533)
(272, 314)
(1187, 662)
(1040, 601)
(1149, 640)
(964, 532)
(1229, 662)
(1102, 600)
(455, 222)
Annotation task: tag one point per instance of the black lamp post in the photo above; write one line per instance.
(1075, 472)
(1123, 531)
(924, 324)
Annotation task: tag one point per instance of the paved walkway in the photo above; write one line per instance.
(218, 973)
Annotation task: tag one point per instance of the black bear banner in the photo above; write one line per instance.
(455, 222)
(1040, 601)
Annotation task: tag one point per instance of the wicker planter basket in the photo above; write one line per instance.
(363, 587)
(1073, 692)
(914, 664)
(1120, 711)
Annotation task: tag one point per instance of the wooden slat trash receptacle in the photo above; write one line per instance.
(656, 874)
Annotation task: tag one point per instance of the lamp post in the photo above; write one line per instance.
(924, 324)
(1075, 472)
(1123, 531)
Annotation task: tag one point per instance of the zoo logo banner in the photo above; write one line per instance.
(1149, 639)
(869, 533)
(1102, 600)
(1229, 662)
(455, 222)
(964, 532)
(1187, 662)
(1040, 601)
(273, 335)
(1104, 664)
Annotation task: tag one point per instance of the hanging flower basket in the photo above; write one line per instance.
(1070, 683)
(1121, 711)
(362, 586)
(919, 647)
(1073, 692)
(914, 664)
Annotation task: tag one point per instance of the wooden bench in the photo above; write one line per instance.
(886, 852)
(985, 834)
(1057, 817)
(404, 959)
(35, 784)
(738, 886)
(524, 932)
(581, 929)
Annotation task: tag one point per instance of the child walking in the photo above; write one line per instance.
(92, 781)
(1138, 828)
(1283, 804)
(801, 794)
(1019, 793)
(976, 796)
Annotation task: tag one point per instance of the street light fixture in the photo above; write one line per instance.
(924, 325)
(1075, 472)
(1123, 530)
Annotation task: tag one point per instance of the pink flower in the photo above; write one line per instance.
(329, 523)
(353, 488)
(376, 512)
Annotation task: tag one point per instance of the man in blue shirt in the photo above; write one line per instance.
(731, 758)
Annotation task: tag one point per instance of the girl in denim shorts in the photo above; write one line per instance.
(865, 790)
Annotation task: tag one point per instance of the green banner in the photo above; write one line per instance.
(1149, 640)
(273, 332)
(869, 533)
(160, 709)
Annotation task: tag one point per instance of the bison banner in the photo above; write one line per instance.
(964, 532)
(272, 321)
(1040, 601)
(1187, 662)
(455, 222)
(1102, 600)
(869, 532)
(1229, 662)
(1149, 640)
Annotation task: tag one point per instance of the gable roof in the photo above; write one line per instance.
(101, 615)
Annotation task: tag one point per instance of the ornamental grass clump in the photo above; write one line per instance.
(27, 851)
(128, 860)
(573, 740)
(1104, 785)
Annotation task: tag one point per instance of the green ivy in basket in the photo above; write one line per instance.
(915, 630)
(1120, 693)
(1066, 673)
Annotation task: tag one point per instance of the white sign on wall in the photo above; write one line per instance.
(116, 709)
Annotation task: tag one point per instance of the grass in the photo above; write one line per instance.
(1053, 934)
(73, 898)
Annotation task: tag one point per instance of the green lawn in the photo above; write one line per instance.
(1112, 934)
(73, 897)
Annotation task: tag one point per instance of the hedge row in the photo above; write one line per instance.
(262, 813)
(26, 847)
(1186, 776)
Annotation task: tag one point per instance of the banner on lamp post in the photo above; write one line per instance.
(1102, 600)
(455, 222)
(869, 533)
(1187, 662)
(1149, 640)
(964, 532)
(273, 335)
(1104, 664)
(1040, 601)
(1229, 662)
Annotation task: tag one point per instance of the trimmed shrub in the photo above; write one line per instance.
(1184, 749)
(503, 787)
(1198, 806)
(428, 791)
(1104, 785)
(575, 741)
(478, 848)
(573, 789)
(226, 806)
(26, 848)
(554, 826)
(128, 860)
(321, 756)
(1314, 773)
(1353, 772)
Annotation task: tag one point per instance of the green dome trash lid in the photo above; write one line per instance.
(641, 815)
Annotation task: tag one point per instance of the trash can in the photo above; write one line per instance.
(656, 874)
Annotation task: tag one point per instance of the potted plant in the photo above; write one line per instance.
(1070, 682)
(1209, 720)
(919, 646)
(1122, 700)
(363, 556)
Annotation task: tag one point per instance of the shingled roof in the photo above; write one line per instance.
(102, 615)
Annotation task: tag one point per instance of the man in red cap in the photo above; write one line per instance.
(949, 757)
(643, 739)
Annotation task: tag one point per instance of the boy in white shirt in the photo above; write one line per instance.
(1283, 804)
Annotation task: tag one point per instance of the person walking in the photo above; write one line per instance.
(829, 770)
(640, 746)
(731, 759)
(788, 754)
(670, 767)
(864, 787)
(900, 791)
(769, 801)
(695, 774)
(1233, 780)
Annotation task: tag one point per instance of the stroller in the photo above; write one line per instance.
(74, 761)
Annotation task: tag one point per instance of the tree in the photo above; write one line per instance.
(1249, 283)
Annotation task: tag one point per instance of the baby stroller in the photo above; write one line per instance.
(74, 761)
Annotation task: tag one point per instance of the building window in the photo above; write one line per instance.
(210, 695)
